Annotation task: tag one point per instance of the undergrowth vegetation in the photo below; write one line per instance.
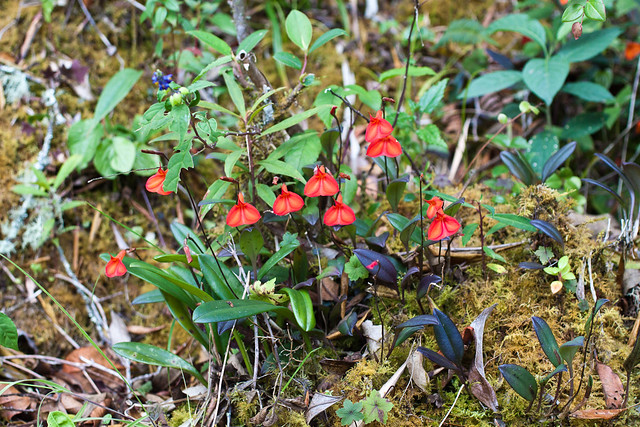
(314, 213)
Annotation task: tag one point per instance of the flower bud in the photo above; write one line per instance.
(576, 30)
(184, 91)
(503, 119)
(175, 99)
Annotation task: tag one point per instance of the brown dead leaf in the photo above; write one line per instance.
(597, 414)
(330, 289)
(13, 403)
(144, 330)
(611, 386)
(320, 403)
(89, 353)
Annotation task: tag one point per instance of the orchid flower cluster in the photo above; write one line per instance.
(322, 183)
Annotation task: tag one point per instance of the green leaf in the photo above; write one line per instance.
(588, 45)
(305, 151)
(324, 38)
(557, 159)
(573, 12)
(519, 167)
(376, 408)
(65, 170)
(59, 419)
(180, 311)
(213, 41)
(463, 31)
(491, 82)
(235, 92)
(8, 333)
(395, 191)
(294, 120)
(355, 270)
(413, 72)
(569, 349)
(492, 254)
(299, 29)
(523, 24)
(520, 380)
(250, 243)
(547, 340)
(448, 337)
(540, 148)
(24, 189)
(115, 91)
(215, 274)
(431, 136)
(432, 98)
(288, 59)
(232, 309)
(152, 355)
(47, 8)
(230, 162)
(596, 309)
(289, 244)
(124, 154)
(180, 160)
(583, 125)
(278, 167)
(83, 138)
(516, 221)
(588, 91)
(545, 77)
(350, 412)
(467, 232)
(266, 194)
(251, 41)
(302, 308)
(218, 62)
(594, 9)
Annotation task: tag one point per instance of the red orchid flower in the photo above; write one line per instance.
(156, 181)
(115, 266)
(377, 128)
(632, 50)
(384, 146)
(242, 213)
(287, 202)
(339, 214)
(435, 205)
(321, 184)
(442, 226)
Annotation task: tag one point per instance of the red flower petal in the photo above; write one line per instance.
(377, 128)
(339, 214)
(242, 214)
(115, 266)
(442, 227)
(321, 184)
(632, 50)
(436, 231)
(287, 202)
(435, 204)
(385, 146)
(156, 181)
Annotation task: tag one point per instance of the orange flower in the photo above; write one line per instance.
(321, 184)
(242, 213)
(287, 202)
(632, 50)
(377, 128)
(115, 266)
(339, 214)
(385, 146)
(435, 205)
(156, 181)
(442, 226)
(564, 2)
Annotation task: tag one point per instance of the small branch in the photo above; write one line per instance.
(348, 104)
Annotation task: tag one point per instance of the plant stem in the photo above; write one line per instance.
(484, 259)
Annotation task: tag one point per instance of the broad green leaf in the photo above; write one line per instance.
(350, 186)
(515, 221)
(231, 161)
(573, 12)
(302, 308)
(251, 41)
(215, 278)
(493, 254)
(432, 98)
(59, 419)
(288, 59)
(115, 91)
(463, 31)
(569, 349)
(588, 45)
(540, 148)
(547, 340)
(413, 72)
(523, 24)
(8, 333)
(83, 138)
(178, 161)
(432, 137)
(171, 283)
(124, 154)
(235, 92)
(594, 9)
(299, 29)
(266, 194)
(231, 309)
(218, 62)
(376, 408)
(278, 167)
(324, 38)
(520, 380)
(180, 311)
(180, 117)
(181, 233)
(149, 297)
(350, 412)
(545, 77)
(395, 191)
(355, 270)
(588, 91)
(304, 152)
(103, 157)
(491, 82)
(582, 125)
(250, 243)
(467, 232)
(213, 41)
(289, 244)
(294, 120)
(215, 192)
(152, 355)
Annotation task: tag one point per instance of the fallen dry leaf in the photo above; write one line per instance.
(416, 370)
(611, 386)
(13, 403)
(320, 403)
(480, 387)
(597, 414)
(144, 330)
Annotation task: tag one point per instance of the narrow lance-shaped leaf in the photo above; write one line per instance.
(302, 308)
(547, 340)
(438, 359)
(520, 380)
(548, 229)
(557, 159)
(448, 337)
(518, 167)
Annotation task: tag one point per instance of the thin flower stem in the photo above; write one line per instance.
(339, 147)
(348, 104)
(416, 6)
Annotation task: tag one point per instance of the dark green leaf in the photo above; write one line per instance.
(233, 309)
(518, 167)
(547, 340)
(288, 59)
(422, 320)
(395, 191)
(589, 45)
(548, 229)
(569, 349)
(540, 148)
(149, 297)
(385, 271)
(438, 359)
(346, 325)
(180, 311)
(324, 38)
(604, 187)
(557, 160)
(588, 91)
(531, 265)
(516, 221)
(545, 77)
(250, 243)
(556, 371)
(289, 244)
(448, 337)
(350, 412)
(215, 278)
(520, 380)
(523, 24)
(403, 334)
(596, 308)
(583, 125)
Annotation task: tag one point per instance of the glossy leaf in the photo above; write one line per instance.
(547, 340)
(605, 188)
(152, 355)
(403, 334)
(289, 244)
(395, 191)
(324, 38)
(386, 272)
(569, 349)
(302, 308)
(556, 371)
(518, 167)
(545, 77)
(557, 160)
(531, 265)
(594, 9)
(596, 309)
(180, 311)
(345, 326)
(149, 297)
(419, 321)
(425, 283)
(438, 359)
(234, 309)
(294, 120)
(448, 337)
(548, 229)
(8, 333)
(215, 278)
(299, 29)
(513, 220)
(520, 380)
(589, 45)
(288, 59)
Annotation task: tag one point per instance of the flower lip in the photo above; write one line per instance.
(321, 184)
(632, 50)
(242, 213)
(384, 146)
(442, 227)
(339, 214)
(377, 128)
(287, 202)
(156, 181)
(115, 266)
